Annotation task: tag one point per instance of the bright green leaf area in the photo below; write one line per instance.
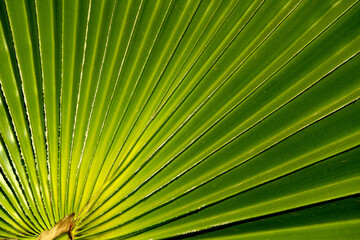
(63, 237)
(191, 119)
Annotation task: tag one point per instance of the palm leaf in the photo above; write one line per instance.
(180, 119)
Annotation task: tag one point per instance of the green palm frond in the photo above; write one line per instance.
(171, 119)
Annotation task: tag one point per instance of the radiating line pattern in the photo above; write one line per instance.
(171, 119)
